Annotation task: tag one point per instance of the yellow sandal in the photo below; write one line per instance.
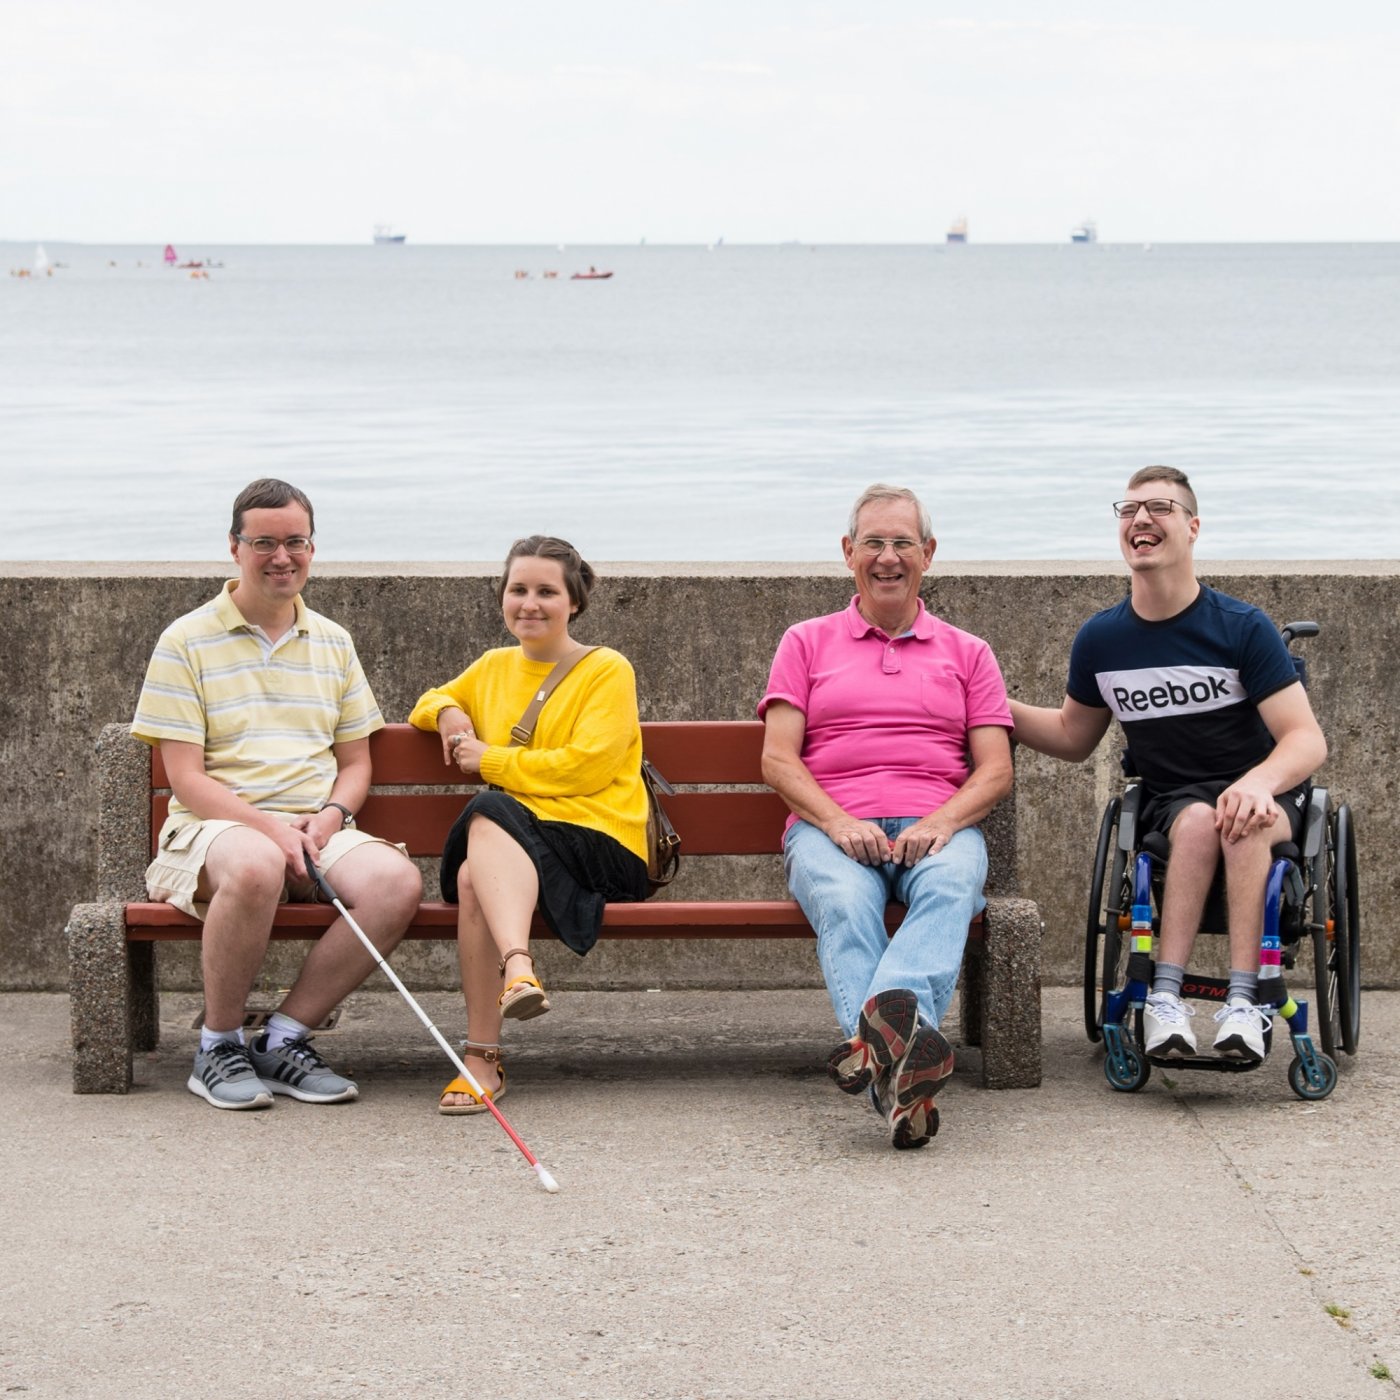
(492, 1055)
(523, 997)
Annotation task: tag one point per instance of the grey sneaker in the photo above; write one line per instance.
(296, 1069)
(224, 1076)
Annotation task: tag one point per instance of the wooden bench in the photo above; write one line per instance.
(112, 942)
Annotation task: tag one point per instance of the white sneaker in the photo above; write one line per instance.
(1244, 1030)
(1166, 1025)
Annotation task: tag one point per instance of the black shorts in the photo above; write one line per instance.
(580, 870)
(1161, 809)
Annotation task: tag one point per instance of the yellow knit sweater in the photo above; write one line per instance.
(583, 763)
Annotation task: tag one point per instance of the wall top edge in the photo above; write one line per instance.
(1015, 568)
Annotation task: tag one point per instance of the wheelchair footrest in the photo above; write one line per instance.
(1224, 1064)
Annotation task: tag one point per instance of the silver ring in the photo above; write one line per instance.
(454, 739)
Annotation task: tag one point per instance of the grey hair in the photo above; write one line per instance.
(880, 492)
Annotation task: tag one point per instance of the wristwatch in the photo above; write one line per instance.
(347, 817)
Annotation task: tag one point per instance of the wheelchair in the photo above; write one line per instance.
(1311, 900)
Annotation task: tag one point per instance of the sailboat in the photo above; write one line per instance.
(41, 262)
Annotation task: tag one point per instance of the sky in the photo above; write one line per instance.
(547, 121)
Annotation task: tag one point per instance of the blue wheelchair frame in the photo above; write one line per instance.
(1319, 881)
(1312, 1074)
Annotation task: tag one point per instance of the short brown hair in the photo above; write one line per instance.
(578, 572)
(1171, 474)
(267, 493)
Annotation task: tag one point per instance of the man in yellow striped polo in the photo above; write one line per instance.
(263, 716)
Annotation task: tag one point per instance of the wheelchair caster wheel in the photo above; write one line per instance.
(1319, 1084)
(1126, 1069)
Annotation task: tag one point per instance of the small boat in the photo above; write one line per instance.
(171, 256)
(592, 275)
(957, 230)
(1087, 232)
(384, 233)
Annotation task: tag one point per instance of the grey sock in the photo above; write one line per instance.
(1243, 984)
(1168, 977)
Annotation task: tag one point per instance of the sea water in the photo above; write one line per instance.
(723, 404)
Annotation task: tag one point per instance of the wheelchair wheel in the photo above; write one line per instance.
(1129, 1071)
(1103, 940)
(1347, 932)
(1298, 1081)
(1335, 968)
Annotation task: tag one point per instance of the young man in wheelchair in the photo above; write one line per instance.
(1220, 731)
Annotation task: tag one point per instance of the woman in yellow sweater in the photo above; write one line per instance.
(562, 827)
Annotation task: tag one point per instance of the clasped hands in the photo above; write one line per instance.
(866, 842)
(460, 746)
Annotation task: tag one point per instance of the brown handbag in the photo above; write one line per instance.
(663, 845)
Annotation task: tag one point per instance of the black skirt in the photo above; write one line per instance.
(580, 870)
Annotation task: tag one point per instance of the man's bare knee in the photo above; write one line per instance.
(245, 866)
(1194, 830)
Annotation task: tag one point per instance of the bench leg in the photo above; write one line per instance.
(1009, 983)
(145, 998)
(99, 991)
(971, 993)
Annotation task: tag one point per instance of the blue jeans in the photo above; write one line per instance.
(845, 902)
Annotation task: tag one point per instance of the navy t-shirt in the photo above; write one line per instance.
(1185, 690)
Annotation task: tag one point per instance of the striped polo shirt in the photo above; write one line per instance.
(266, 713)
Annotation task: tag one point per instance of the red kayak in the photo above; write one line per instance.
(592, 275)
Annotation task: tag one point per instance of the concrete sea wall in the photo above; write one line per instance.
(76, 639)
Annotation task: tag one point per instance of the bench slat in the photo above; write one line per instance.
(709, 751)
(773, 918)
(710, 823)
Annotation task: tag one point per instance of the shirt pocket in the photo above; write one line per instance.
(944, 700)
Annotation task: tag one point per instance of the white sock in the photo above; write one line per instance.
(208, 1038)
(281, 1029)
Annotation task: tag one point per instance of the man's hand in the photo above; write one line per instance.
(296, 842)
(926, 837)
(319, 826)
(1246, 806)
(861, 840)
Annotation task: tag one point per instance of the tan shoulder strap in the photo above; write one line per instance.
(521, 733)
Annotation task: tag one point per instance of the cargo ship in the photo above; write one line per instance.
(1087, 232)
(384, 233)
(957, 230)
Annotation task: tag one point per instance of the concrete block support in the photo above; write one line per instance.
(1006, 983)
(99, 978)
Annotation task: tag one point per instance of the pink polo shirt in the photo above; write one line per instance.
(887, 718)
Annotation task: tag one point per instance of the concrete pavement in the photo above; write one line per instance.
(728, 1225)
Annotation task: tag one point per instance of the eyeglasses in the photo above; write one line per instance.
(1158, 505)
(873, 544)
(266, 545)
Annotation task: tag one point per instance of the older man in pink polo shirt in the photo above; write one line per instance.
(887, 735)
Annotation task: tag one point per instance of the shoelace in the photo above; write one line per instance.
(1244, 1011)
(1173, 1012)
(301, 1050)
(230, 1056)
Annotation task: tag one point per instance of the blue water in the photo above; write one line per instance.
(723, 404)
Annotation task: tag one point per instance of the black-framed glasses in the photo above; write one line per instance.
(875, 545)
(1158, 505)
(266, 545)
